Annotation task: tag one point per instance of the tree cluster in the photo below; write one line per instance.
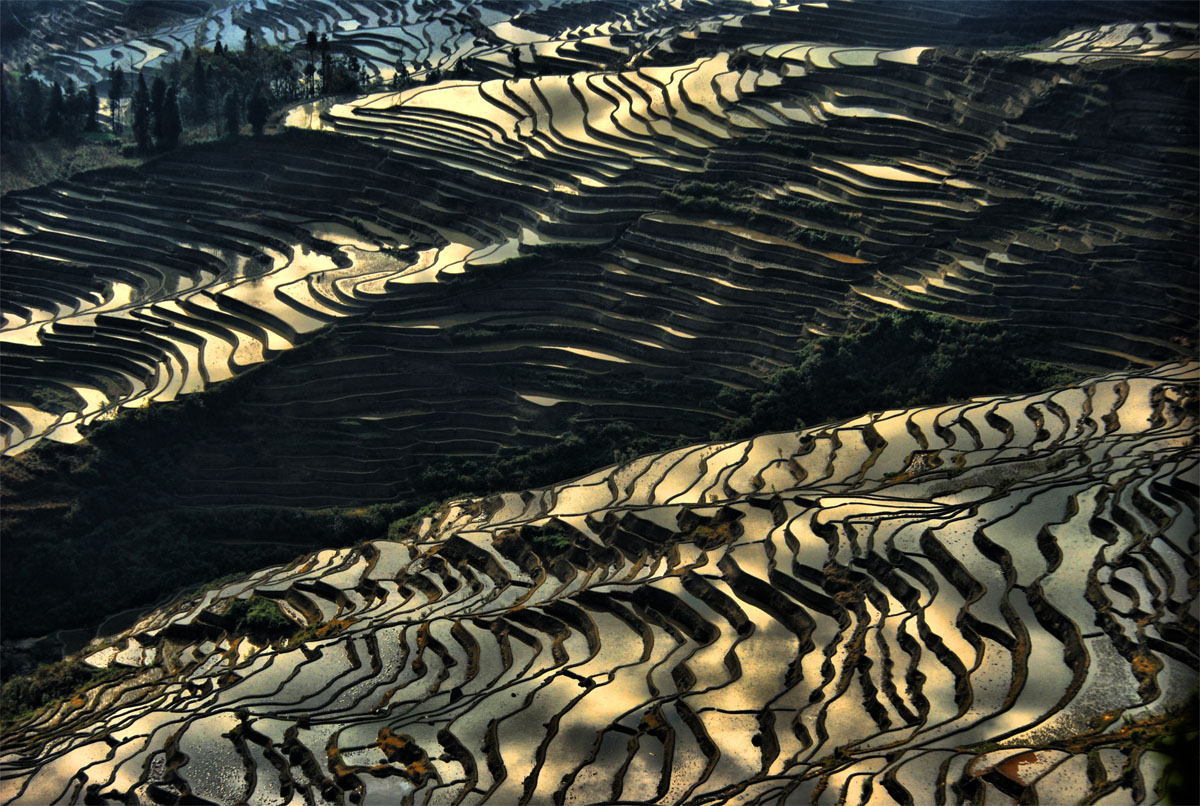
(902, 360)
(329, 73)
(31, 109)
(222, 88)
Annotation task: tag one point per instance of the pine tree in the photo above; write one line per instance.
(116, 91)
(141, 115)
(56, 112)
(256, 110)
(92, 108)
(8, 111)
(172, 125)
(358, 72)
(326, 63)
(200, 93)
(32, 104)
(158, 93)
(75, 99)
(400, 77)
(232, 121)
(310, 83)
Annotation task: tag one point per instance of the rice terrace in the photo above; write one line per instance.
(599, 402)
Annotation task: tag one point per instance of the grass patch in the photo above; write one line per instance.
(1059, 210)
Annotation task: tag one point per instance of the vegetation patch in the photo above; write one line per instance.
(406, 526)
(260, 617)
(56, 399)
(586, 446)
(257, 616)
(24, 695)
(562, 249)
(902, 360)
(552, 539)
(823, 239)
(818, 210)
(708, 197)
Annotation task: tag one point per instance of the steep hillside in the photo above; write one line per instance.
(498, 256)
(613, 228)
(682, 241)
(992, 602)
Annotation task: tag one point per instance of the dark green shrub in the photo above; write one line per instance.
(259, 616)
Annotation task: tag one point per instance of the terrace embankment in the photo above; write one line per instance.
(993, 598)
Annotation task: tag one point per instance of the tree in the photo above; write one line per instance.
(56, 112)
(340, 75)
(400, 77)
(232, 121)
(116, 91)
(256, 110)
(172, 125)
(75, 103)
(141, 115)
(8, 110)
(311, 45)
(92, 108)
(32, 105)
(279, 74)
(326, 63)
(309, 72)
(158, 93)
(200, 93)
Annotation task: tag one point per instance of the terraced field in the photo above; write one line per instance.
(554, 236)
(479, 246)
(978, 602)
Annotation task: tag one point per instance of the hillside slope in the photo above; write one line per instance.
(500, 259)
(994, 599)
